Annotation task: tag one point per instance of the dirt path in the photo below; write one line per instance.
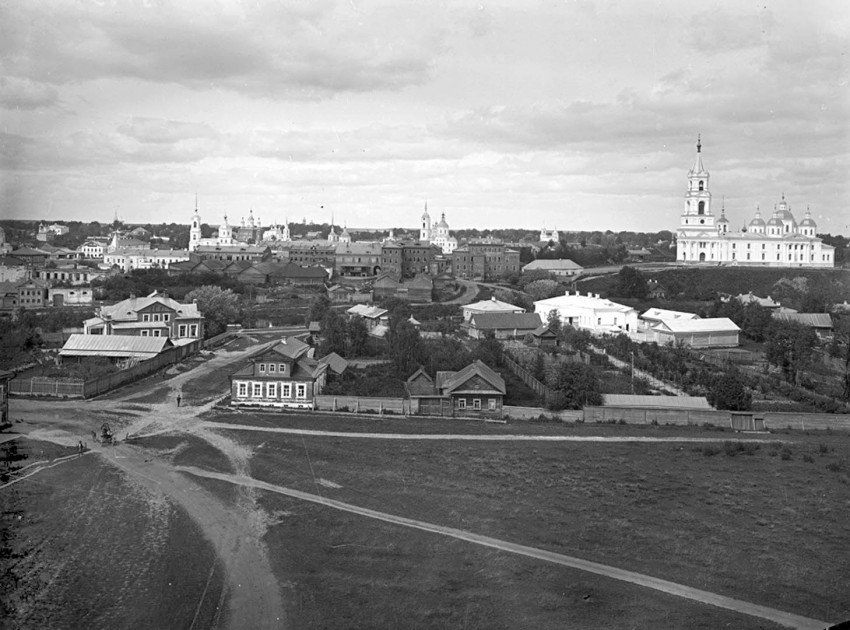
(780, 617)
(221, 426)
(236, 534)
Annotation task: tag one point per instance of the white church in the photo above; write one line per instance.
(439, 234)
(778, 242)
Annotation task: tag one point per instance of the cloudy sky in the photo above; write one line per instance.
(570, 114)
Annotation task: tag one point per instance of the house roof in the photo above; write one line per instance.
(504, 321)
(420, 384)
(369, 312)
(543, 329)
(493, 306)
(556, 264)
(812, 320)
(749, 298)
(291, 348)
(127, 309)
(335, 363)
(708, 325)
(452, 382)
(667, 402)
(664, 314)
(589, 301)
(115, 346)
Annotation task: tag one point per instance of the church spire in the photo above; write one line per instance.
(699, 169)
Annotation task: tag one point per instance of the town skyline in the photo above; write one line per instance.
(577, 117)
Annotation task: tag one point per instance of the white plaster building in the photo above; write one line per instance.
(224, 236)
(591, 312)
(779, 242)
(439, 234)
(549, 235)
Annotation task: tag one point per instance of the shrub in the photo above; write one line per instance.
(710, 450)
(808, 458)
(786, 452)
(823, 449)
(835, 466)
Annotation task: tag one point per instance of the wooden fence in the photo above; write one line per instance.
(363, 404)
(77, 388)
(528, 378)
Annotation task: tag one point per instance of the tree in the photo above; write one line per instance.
(754, 321)
(542, 289)
(219, 307)
(631, 284)
(575, 385)
(318, 307)
(728, 392)
(554, 322)
(840, 347)
(404, 346)
(333, 333)
(358, 335)
(790, 346)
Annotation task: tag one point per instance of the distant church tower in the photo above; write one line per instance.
(425, 231)
(697, 218)
(195, 229)
(225, 233)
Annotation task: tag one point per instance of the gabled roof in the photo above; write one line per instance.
(505, 321)
(29, 251)
(420, 384)
(543, 329)
(812, 320)
(710, 324)
(115, 346)
(493, 306)
(565, 302)
(452, 382)
(335, 363)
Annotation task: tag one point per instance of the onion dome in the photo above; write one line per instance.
(442, 222)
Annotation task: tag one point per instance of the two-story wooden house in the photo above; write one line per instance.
(283, 375)
(152, 316)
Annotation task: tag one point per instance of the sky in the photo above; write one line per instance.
(570, 114)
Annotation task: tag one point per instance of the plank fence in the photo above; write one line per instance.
(528, 378)
(363, 404)
(78, 388)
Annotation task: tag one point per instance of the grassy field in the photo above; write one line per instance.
(717, 518)
(82, 548)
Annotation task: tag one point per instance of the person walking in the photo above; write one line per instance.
(178, 400)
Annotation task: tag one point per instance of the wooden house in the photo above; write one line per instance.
(283, 375)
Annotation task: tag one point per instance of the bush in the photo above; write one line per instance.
(823, 449)
(710, 450)
(808, 458)
(835, 466)
(786, 452)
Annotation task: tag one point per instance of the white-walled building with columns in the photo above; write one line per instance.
(778, 242)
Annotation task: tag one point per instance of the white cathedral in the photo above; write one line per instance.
(779, 242)
(439, 234)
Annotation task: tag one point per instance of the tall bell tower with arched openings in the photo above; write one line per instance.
(697, 218)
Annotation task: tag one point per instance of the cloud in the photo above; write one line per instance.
(307, 51)
(21, 93)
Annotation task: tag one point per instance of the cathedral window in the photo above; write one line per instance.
(701, 209)
(702, 185)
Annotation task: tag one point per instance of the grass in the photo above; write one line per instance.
(82, 548)
(740, 523)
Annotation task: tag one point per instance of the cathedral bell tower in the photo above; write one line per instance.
(425, 230)
(195, 229)
(697, 217)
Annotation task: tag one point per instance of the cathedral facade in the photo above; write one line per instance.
(438, 234)
(778, 242)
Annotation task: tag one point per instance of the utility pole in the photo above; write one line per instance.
(633, 372)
